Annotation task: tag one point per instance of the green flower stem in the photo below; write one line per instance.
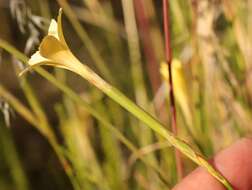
(149, 120)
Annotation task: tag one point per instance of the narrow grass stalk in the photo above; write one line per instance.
(144, 135)
(21, 109)
(144, 28)
(32, 119)
(168, 56)
(135, 54)
(45, 9)
(11, 157)
(147, 150)
(108, 24)
(43, 124)
(79, 149)
(114, 165)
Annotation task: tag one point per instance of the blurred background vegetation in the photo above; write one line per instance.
(62, 133)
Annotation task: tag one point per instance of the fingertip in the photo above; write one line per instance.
(235, 163)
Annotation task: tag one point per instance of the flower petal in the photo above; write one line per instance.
(57, 54)
(60, 31)
(54, 51)
(53, 29)
(50, 46)
(36, 58)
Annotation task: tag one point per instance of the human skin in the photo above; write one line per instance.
(235, 163)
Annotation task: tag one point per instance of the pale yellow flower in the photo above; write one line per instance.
(54, 51)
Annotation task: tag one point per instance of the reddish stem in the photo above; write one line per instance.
(168, 57)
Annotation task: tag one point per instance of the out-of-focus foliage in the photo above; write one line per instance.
(65, 134)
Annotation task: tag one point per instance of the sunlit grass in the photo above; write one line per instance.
(212, 89)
